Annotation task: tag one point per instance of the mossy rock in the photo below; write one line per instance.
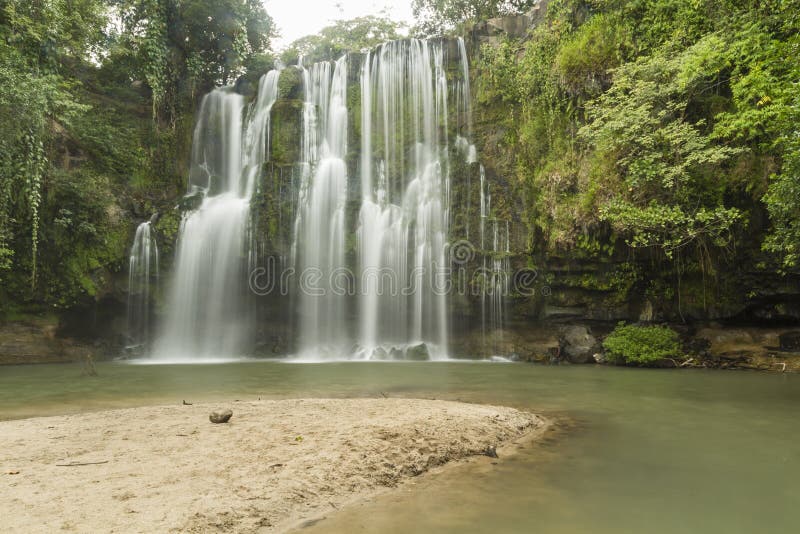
(286, 132)
(290, 84)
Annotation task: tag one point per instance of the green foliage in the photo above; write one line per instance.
(783, 197)
(641, 345)
(86, 239)
(438, 17)
(37, 36)
(669, 172)
(81, 156)
(181, 48)
(218, 35)
(37, 99)
(584, 61)
(167, 227)
(154, 49)
(48, 32)
(652, 124)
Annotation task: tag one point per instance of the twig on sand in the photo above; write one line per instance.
(76, 464)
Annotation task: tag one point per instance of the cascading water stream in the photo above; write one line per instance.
(370, 243)
(319, 247)
(400, 272)
(498, 283)
(142, 270)
(495, 271)
(404, 215)
(208, 314)
(485, 207)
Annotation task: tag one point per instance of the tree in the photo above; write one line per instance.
(344, 36)
(40, 39)
(217, 36)
(437, 17)
(783, 196)
(48, 33)
(185, 47)
(80, 157)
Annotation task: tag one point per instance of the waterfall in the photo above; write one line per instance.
(485, 207)
(371, 209)
(495, 271)
(319, 247)
(404, 216)
(498, 283)
(142, 270)
(403, 213)
(208, 311)
(464, 110)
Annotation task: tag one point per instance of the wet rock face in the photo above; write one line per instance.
(578, 345)
(790, 341)
(38, 342)
(418, 353)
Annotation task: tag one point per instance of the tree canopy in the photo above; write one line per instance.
(438, 17)
(78, 152)
(343, 36)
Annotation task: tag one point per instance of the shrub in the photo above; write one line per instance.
(584, 62)
(641, 345)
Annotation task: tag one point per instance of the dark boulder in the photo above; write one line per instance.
(577, 344)
(418, 353)
(790, 341)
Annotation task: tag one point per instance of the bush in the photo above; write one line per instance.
(584, 62)
(641, 345)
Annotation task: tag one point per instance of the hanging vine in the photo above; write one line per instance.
(33, 169)
(154, 50)
(6, 253)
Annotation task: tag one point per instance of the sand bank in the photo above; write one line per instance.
(275, 465)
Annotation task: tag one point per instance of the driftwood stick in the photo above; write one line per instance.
(76, 464)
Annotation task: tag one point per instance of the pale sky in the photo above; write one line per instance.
(298, 18)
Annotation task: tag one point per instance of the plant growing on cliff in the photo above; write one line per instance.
(641, 345)
(779, 106)
(667, 189)
(32, 104)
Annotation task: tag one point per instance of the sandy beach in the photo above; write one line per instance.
(273, 467)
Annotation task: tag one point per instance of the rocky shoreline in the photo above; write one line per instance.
(705, 345)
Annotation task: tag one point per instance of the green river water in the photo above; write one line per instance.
(641, 451)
